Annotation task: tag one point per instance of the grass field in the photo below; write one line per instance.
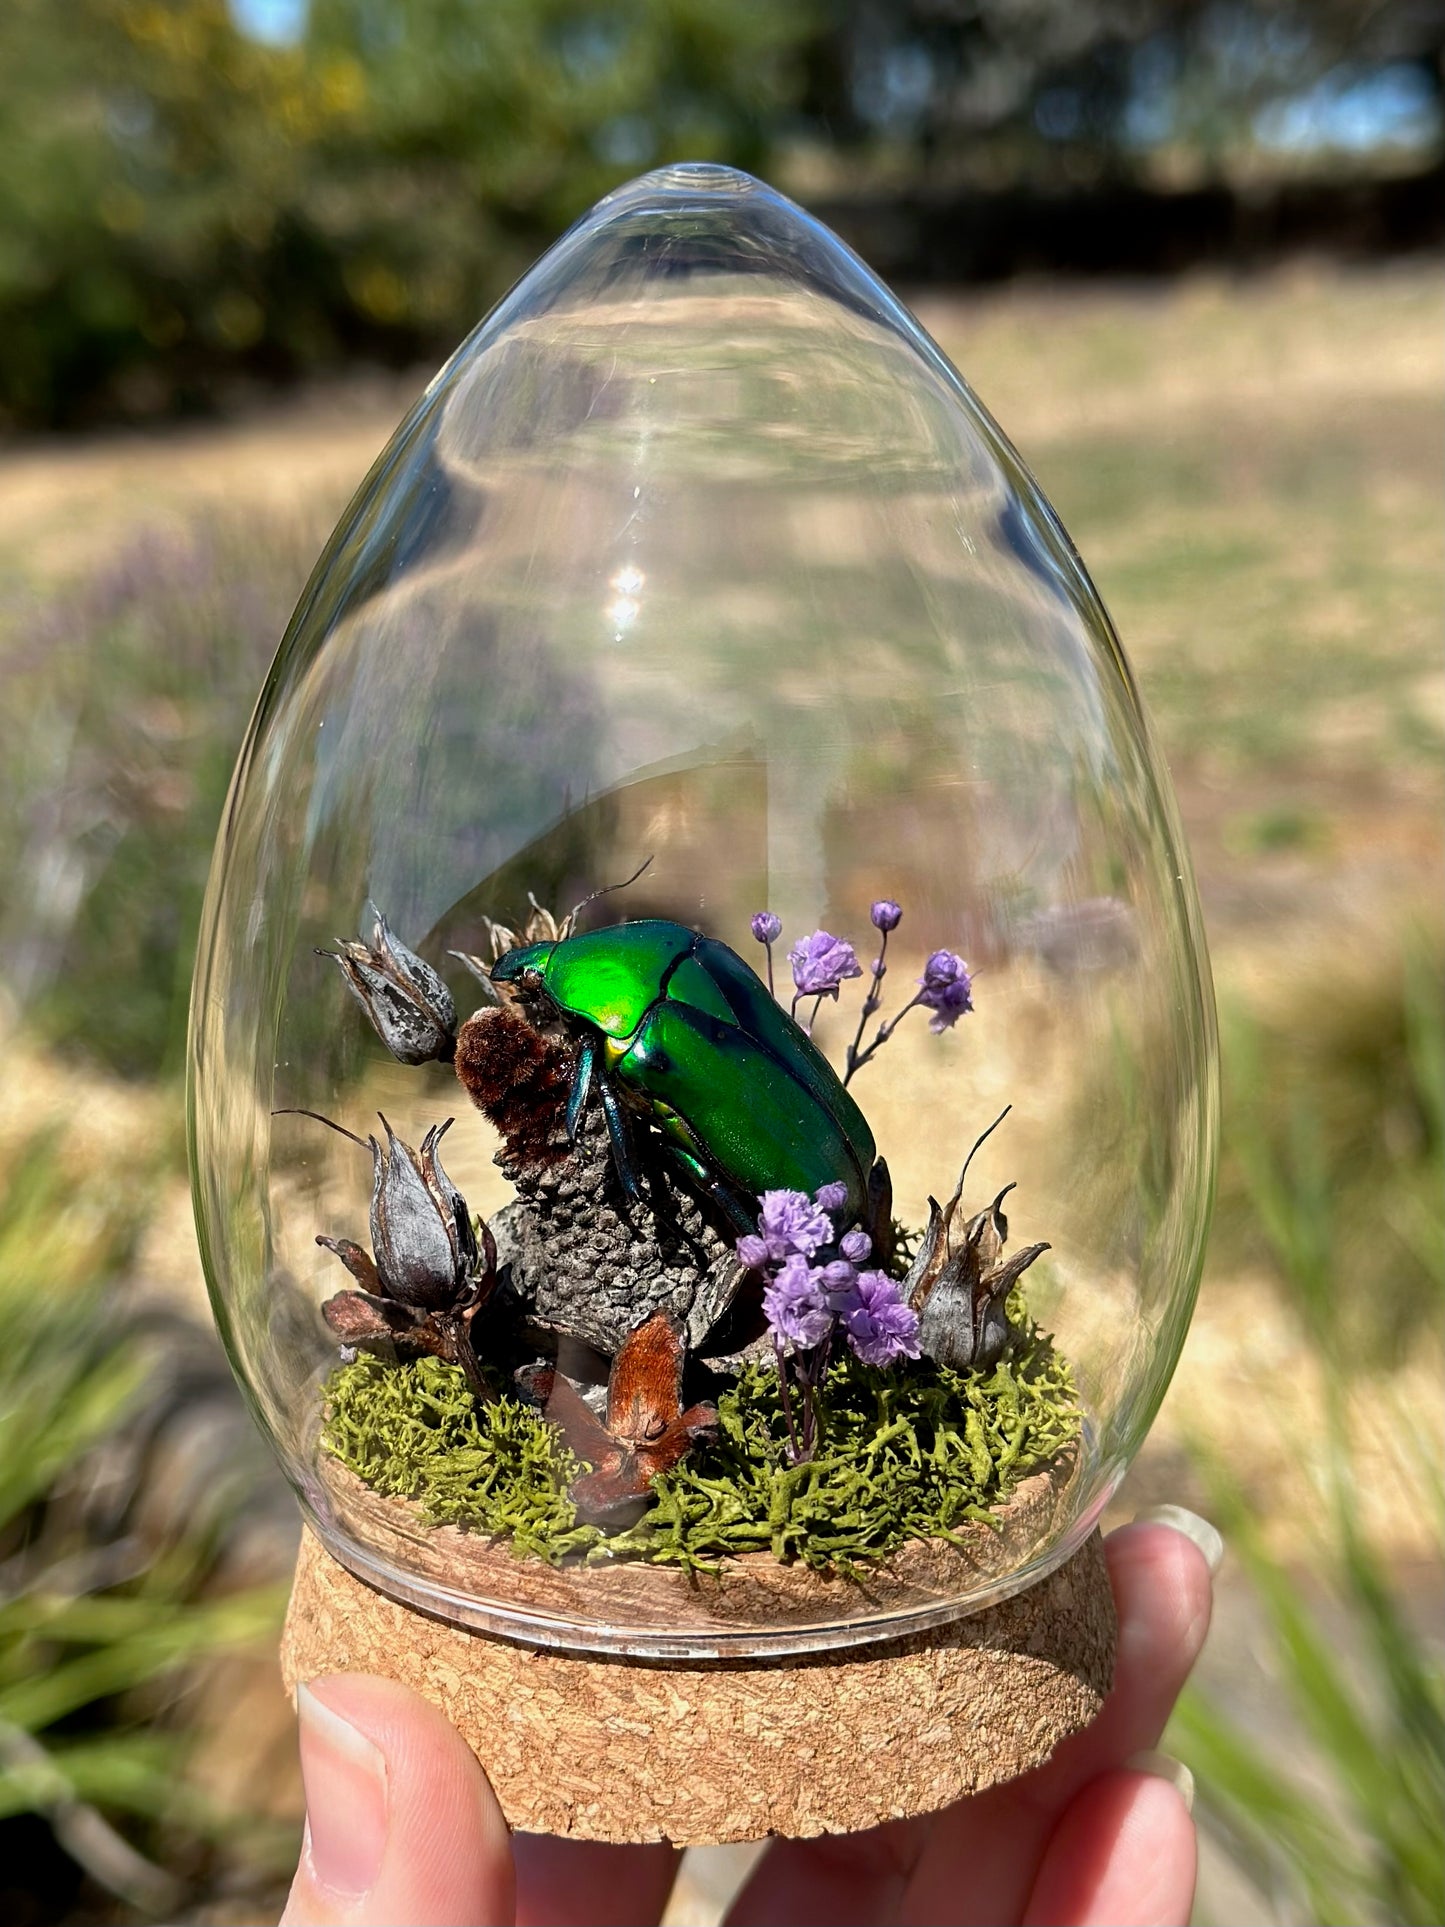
(1251, 471)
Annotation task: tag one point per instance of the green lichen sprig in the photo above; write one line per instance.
(415, 1431)
(908, 1454)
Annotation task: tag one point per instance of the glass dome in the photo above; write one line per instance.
(699, 560)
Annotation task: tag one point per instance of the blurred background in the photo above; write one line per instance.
(1187, 254)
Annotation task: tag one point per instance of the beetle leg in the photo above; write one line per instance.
(621, 1144)
(740, 1213)
(581, 1090)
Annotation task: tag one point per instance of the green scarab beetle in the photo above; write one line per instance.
(675, 1026)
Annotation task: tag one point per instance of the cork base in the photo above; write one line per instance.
(602, 1748)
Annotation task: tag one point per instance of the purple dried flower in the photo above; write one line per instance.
(886, 915)
(831, 1197)
(946, 989)
(820, 964)
(838, 1279)
(791, 1223)
(880, 1327)
(767, 927)
(856, 1246)
(753, 1251)
(796, 1307)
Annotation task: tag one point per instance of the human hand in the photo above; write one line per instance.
(404, 1831)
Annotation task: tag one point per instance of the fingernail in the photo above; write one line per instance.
(1164, 1766)
(344, 1774)
(1198, 1531)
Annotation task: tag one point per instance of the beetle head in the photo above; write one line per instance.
(521, 975)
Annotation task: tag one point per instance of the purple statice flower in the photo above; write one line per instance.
(856, 1246)
(831, 1197)
(767, 927)
(796, 1305)
(791, 1223)
(946, 988)
(886, 915)
(820, 964)
(880, 1327)
(753, 1251)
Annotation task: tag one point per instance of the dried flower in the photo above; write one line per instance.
(946, 988)
(426, 1252)
(821, 963)
(791, 1223)
(831, 1197)
(959, 1281)
(753, 1251)
(856, 1246)
(519, 1080)
(646, 1431)
(767, 927)
(881, 1328)
(886, 915)
(796, 1305)
(429, 1275)
(837, 1278)
(409, 1006)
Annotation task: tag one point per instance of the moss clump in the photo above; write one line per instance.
(912, 1453)
(415, 1431)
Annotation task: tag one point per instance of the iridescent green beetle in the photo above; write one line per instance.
(675, 1026)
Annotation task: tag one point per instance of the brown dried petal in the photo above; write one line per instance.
(542, 926)
(357, 1316)
(624, 1475)
(356, 1259)
(646, 1432)
(645, 1384)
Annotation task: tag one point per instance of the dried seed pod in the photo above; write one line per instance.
(959, 1285)
(425, 1251)
(409, 1006)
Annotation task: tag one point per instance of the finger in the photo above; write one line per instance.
(981, 1857)
(401, 1824)
(565, 1883)
(975, 1861)
(1163, 1594)
(1123, 1855)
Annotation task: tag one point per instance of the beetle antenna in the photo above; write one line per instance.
(605, 891)
(958, 1188)
(295, 1110)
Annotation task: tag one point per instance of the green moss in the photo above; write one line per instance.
(908, 1454)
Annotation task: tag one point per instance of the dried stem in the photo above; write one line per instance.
(870, 1003)
(794, 1447)
(857, 1059)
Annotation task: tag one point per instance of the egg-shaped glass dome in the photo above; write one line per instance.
(701, 768)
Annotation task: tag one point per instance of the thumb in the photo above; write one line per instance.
(401, 1824)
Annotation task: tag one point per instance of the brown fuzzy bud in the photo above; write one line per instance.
(520, 1081)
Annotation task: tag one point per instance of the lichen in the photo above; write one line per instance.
(908, 1453)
